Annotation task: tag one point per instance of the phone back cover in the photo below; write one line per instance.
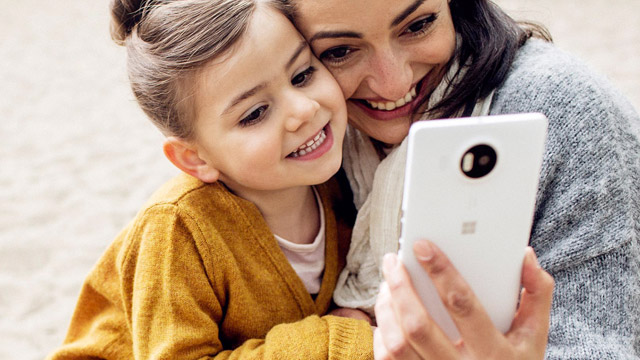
(484, 224)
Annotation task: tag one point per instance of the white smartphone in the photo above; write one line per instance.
(470, 188)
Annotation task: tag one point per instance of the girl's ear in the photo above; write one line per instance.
(185, 157)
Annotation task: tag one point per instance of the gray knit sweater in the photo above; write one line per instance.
(587, 220)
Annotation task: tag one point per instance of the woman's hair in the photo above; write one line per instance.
(490, 40)
(167, 42)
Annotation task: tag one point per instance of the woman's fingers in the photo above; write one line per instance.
(417, 330)
(406, 331)
(531, 323)
(389, 339)
(465, 309)
(379, 350)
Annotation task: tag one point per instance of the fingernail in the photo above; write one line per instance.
(423, 250)
(389, 262)
(531, 254)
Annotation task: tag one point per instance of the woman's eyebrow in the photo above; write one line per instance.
(335, 34)
(408, 11)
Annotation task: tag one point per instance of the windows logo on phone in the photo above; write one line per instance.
(468, 228)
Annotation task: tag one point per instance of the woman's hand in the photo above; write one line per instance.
(405, 330)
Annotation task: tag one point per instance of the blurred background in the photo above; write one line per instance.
(78, 158)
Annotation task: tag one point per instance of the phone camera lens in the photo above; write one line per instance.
(478, 161)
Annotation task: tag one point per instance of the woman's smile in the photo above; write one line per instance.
(386, 66)
(392, 105)
(403, 107)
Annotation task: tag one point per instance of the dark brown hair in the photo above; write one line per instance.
(490, 40)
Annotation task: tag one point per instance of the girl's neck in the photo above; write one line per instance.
(292, 213)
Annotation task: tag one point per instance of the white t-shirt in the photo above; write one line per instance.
(307, 259)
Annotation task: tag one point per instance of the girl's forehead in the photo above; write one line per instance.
(261, 58)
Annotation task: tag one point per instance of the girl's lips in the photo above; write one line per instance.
(322, 149)
(403, 111)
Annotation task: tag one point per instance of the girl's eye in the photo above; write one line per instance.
(304, 77)
(336, 54)
(421, 25)
(254, 117)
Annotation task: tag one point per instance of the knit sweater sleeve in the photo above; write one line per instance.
(332, 337)
(587, 220)
(175, 305)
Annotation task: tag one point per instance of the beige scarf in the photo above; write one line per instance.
(377, 187)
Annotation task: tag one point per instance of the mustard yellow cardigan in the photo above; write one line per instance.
(198, 274)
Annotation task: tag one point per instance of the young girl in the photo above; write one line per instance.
(239, 256)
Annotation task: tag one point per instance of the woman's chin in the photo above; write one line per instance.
(391, 140)
(390, 135)
(390, 132)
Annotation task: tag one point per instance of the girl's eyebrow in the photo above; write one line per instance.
(299, 49)
(245, 95)
(249, 93)
(408, 11)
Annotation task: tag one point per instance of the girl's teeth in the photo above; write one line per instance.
(392, 105)
(311, 145)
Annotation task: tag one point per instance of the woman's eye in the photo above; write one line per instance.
(304, 77)
(421, 25)
(336, 54)
(254, 117)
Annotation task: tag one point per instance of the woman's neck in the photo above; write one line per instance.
(292, 213)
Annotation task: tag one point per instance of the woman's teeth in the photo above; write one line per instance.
(310, 145)
(392, 105)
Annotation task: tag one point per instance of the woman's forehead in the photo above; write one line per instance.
(327, 13)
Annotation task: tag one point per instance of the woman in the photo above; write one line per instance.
(407, 60)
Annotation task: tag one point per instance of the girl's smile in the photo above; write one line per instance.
(314, 147)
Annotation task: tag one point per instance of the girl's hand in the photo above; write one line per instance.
(352, 313)
(405, 330)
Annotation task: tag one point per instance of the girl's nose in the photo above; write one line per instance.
(302, 109)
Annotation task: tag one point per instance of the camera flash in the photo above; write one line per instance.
(467, 162)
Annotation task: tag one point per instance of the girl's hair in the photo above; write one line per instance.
(490, 40)
(167, 41)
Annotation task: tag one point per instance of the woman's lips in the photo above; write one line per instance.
(402, 111)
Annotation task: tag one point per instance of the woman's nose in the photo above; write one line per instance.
(302, 109)
(390, 75)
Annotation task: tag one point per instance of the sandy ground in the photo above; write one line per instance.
(77, 157)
